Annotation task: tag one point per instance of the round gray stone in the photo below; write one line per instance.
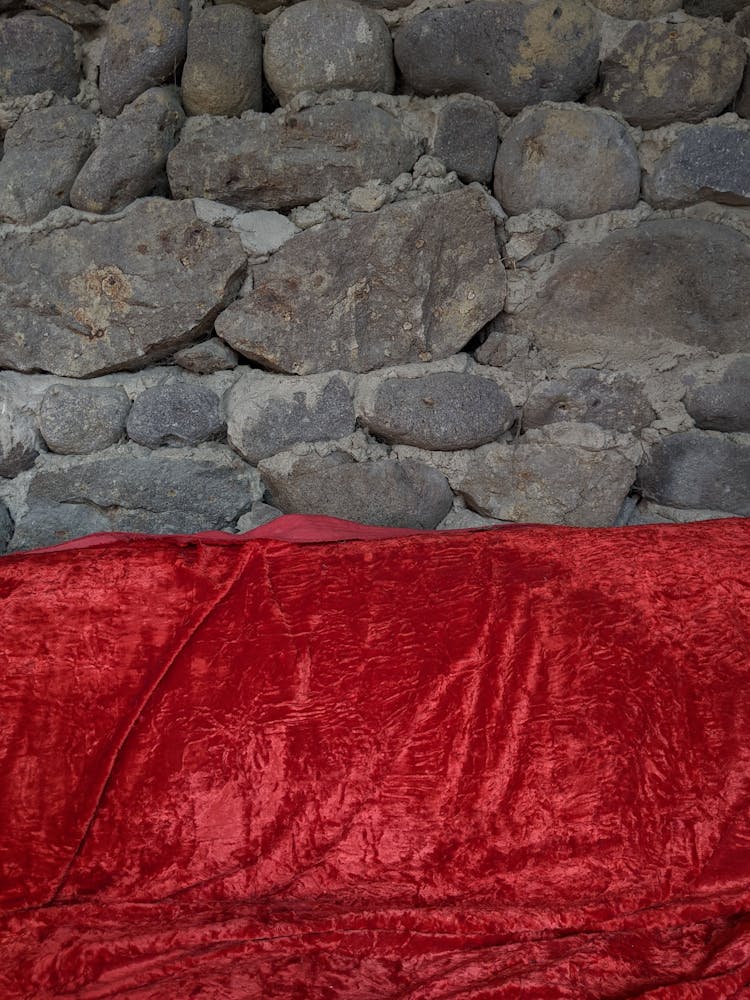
(37, 53)
(328, 45)
(176, 414)
(223, 72)
(466, 139)
(705, 163)
(575, 161)
(209, 356)
(612, 400)
(76, 420)
(725, 405)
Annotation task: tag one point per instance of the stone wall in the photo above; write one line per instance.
(439, 265)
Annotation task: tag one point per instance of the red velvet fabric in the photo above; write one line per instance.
(480, 764)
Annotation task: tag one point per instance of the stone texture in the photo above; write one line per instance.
(459, 519)
(176, 414)
(145, 46)
(113, 294)
(211, 355)
(282, 160)
(443, 411)
(466, 139)
(6, 527)
(641, 293)
(262, 233)
(76, 420)
(413, 282)
(742, 103)
(42, 155)
(267, 414)
(223, 72)
(181, 491)
(386, 492)
(18, 443)
(660, 73)
(573, 160)
(699, 470)
(328, 45)
(724, 405)
(647, 512)
(37, 53)
(637, 10)
(259, 514)
(705, 163)
(131, 154)
(511, 53)
(612, 400)
(714, 8)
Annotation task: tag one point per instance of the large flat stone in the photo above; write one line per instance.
(96, 297)
(283, 160)
(413, 282)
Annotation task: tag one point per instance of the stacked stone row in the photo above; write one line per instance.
(486, 262)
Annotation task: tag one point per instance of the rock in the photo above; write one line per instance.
(573, 160)
(699, 470)
(36, 54)
(175, 414)
(460, 519)
(259, 514)
(705, 163)
(532, 234)
(691, 281)
(267, 414)
(443, 411)
(714, 8)
(413, 282)
(262, 233)
(404, 494)
(659, 73)
(183, 491)
(724, 406)
(282, 160)
(258, 6)
(211, 355)
(18, 443)
(42, 155)
(654, 513)
(328, 45)
(76, 420)
(223, 72)
(510, 53)
(113, 294)
(637, 10)
(6, 527)
(612, 400)
(742, 104)
(145, 46)
(131, 153)
(466, 139)
(77, 13)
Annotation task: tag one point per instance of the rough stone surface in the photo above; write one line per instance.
(6, 527)
(466, 139)
(76, 420)
(131, 154)
(724, 405)
(259, 514)
(443, 411)
(42, 155)
(279, 161)
(328, 45)
(18, 444)
(116, 293)
(742, 104)
(573, 160)
(705, 163)
(459, 519)
(145, 46)
(661, 73)
(714, 8)
(384, 491)
(36, 54)
(175, 414)
(699, 470)
(263, 233)
(412, 282)
(267, 414)
(640, 293)
(125, 489)
(223, 72)
(637, 10)
(510, 52)
(612, 400)
(647, 512)
(211, 355)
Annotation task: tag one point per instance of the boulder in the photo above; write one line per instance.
(664, 72)
(699, 470)
(267, 413)
(116, 293)
(413, 282)
(131, 153)
(705, 163)
(145, 46)
(612, 400)
(282, 160)
(210, 356)
(175, 414)
(42, 155)
(465, 139)
(723, 405)
(573, 160)
(223, 72)
(18, 441)
(36, 54)
(509, 52)
(328, 45)
(76, 420)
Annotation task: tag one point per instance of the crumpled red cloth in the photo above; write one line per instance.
(475, 764)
